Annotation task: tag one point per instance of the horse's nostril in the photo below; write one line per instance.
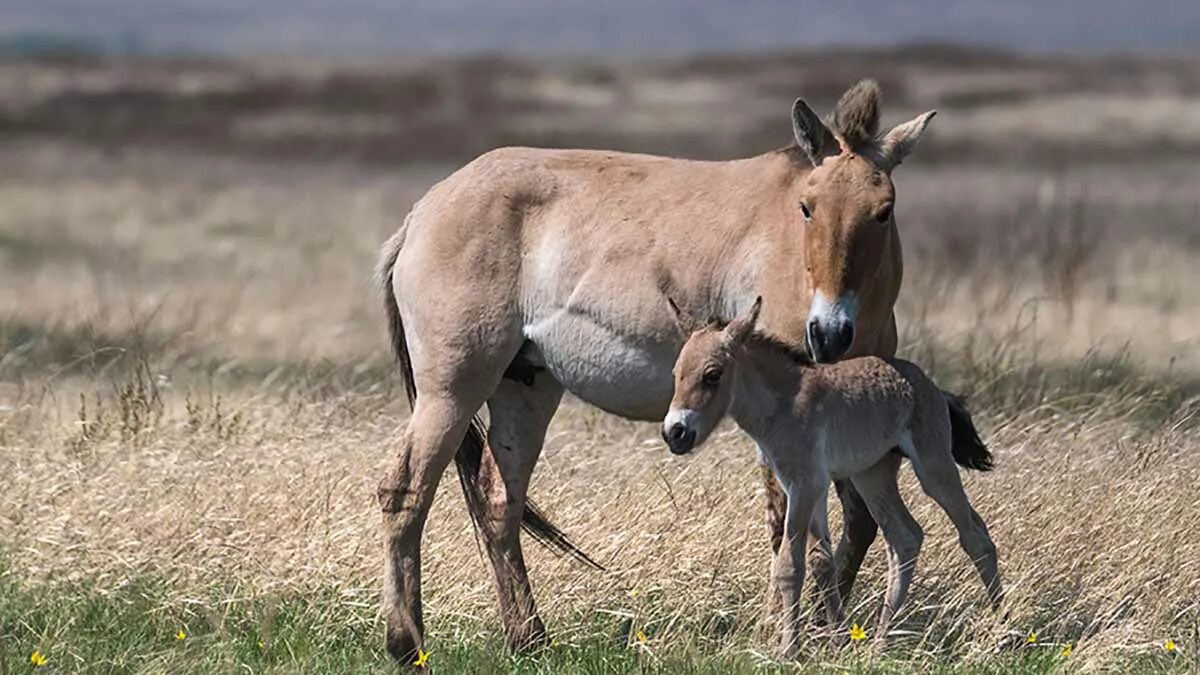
(676, 433)
(845, 335)
(829, 341)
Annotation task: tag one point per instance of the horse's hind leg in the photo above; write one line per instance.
(935, 469)
(900, 531)
(434, 434)
(519, 415)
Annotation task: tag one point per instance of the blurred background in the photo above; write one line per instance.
(156, 152)
(193, 195)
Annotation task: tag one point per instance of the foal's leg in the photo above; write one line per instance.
(826, 566)
(858, 526)
(434, 434)
(939, 479)
(901, 532)
(789, 562)
(519, 416)
(820, 558)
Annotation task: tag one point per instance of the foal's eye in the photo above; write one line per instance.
(711, 377)
(806, 211)
(885, 214)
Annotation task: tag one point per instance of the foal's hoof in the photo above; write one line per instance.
(790, 648)
(792, 653)
(839, 637)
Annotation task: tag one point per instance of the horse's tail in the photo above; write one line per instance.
(968, 449)
(470, 453)
(383, 276)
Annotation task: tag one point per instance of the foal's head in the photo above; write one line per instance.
(704, 374)
(846, 205)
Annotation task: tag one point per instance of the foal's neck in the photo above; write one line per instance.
(770, 375)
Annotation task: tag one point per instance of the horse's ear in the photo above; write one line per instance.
(900, 141)
(740, 328)
(812, 136)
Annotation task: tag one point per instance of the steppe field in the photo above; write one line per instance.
(197, 400)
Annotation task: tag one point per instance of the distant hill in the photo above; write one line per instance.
(636, 27)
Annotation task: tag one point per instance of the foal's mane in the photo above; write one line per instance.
(762, 341)
(773, 345)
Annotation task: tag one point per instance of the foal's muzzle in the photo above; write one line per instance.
(829, 340)
(680, 440)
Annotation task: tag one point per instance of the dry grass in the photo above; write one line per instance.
(194, 389)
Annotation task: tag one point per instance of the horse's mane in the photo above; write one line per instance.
(855, 121)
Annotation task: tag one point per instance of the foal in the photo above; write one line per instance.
(816, 423)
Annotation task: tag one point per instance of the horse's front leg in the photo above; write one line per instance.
(802, 498)
(859, 530)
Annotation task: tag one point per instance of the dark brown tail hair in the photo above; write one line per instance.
(968, 449)
(470, 453)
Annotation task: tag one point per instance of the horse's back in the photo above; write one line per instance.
(572, 252)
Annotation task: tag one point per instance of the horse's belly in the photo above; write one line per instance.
(624, 374)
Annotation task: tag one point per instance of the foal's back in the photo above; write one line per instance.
(862, 408)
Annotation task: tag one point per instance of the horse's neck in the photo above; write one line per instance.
(765, 254)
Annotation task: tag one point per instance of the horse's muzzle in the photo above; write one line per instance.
(828, 341)
(680, 440)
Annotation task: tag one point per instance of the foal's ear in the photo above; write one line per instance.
(740, 328)
(902, 139)
(812, 136)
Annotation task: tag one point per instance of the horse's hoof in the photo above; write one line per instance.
(531, 636)
(403, 646)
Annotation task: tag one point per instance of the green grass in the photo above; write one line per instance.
(134, 630)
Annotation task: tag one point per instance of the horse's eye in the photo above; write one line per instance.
(806, 211)
(711, 377)
(885, 214)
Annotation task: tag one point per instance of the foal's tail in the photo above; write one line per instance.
(470, 453)
(966, 446)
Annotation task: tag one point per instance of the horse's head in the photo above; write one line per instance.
(704, 374)
(847, 208)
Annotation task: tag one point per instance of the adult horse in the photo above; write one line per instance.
(529, 272)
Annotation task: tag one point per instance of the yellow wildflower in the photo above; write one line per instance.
(1169, 645)
(1032, 639)
(37, 658)
(1067, 650)
(422, 659)
(640, 637)
(181, 635)
(857, 633)
(261, 645)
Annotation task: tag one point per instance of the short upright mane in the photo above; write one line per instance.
(856, 117)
